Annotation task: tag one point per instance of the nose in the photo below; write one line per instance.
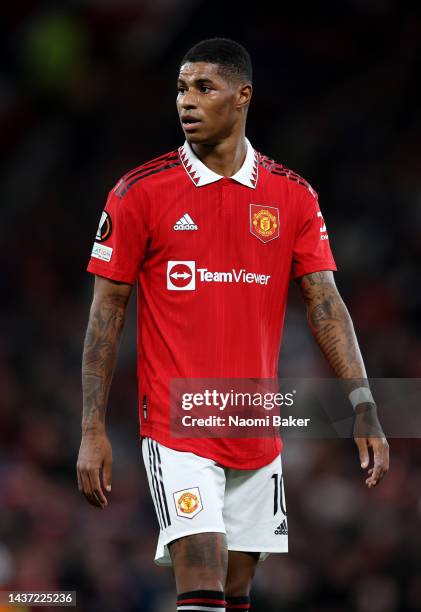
(189, 100)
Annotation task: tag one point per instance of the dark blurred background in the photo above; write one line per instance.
(87, 92)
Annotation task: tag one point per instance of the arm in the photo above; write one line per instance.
(106, 320)
(332, 328)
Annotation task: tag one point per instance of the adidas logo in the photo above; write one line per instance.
(185, 223)
(282, 529)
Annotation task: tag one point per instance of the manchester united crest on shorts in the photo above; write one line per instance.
(188, 502)
(264, 222)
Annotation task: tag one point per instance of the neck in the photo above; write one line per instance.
(225, 157)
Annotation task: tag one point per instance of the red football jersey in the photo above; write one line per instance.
(213, 258)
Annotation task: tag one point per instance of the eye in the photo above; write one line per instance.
(205, 89)
(180, 89)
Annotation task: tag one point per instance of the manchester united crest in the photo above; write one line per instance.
(264, 222)
(188, 503)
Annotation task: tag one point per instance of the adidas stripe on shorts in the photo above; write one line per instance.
(193, 494)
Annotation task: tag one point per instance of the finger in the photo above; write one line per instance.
(386, 458)
(107, 474)
(377, 474)
(83, 484)
(374, 478)
(363, 451)
(98, 496)
(93, 475)
(79, 481)
(381, 459)
(87, 488)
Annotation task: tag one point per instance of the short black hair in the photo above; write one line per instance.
(232, 58)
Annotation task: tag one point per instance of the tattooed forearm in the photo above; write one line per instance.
(320, 313)
(99, 357)
(331, 325)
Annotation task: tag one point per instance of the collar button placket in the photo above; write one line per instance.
(226, 195)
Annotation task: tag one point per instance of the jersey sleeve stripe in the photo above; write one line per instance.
(123, 188)
(144, 168)
(152, 163)
(292, 178)
(280, 170)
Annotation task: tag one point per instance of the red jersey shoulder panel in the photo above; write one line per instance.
(278, 169)
(152, 167)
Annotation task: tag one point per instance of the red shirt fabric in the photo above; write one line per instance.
(213, 258)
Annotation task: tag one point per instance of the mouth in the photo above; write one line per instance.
(190, 123)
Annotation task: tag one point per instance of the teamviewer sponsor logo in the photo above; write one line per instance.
(233, 276)
(181, 275)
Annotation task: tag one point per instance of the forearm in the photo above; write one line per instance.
(332, 327)
(333, 330)
(100, 351)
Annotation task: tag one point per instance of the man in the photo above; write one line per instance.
(189, 227)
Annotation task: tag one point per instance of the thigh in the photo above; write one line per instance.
(187, 491)
(255, 510)
(200, 562)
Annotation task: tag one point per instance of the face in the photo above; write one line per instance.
(210, 106)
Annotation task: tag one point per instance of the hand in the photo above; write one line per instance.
(369, 433)
(94, 453)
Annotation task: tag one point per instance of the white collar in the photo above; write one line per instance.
(202, 175)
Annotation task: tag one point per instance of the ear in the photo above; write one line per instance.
(244, 94)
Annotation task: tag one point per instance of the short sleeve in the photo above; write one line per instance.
(121, 238)
(311, 251)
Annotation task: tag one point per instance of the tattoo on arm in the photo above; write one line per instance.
(99, 357)
(331, 325)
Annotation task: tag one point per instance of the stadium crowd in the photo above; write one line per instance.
(87, 92)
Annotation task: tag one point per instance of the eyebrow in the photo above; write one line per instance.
(201, 81)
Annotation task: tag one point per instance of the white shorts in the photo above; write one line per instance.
(193, 494)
